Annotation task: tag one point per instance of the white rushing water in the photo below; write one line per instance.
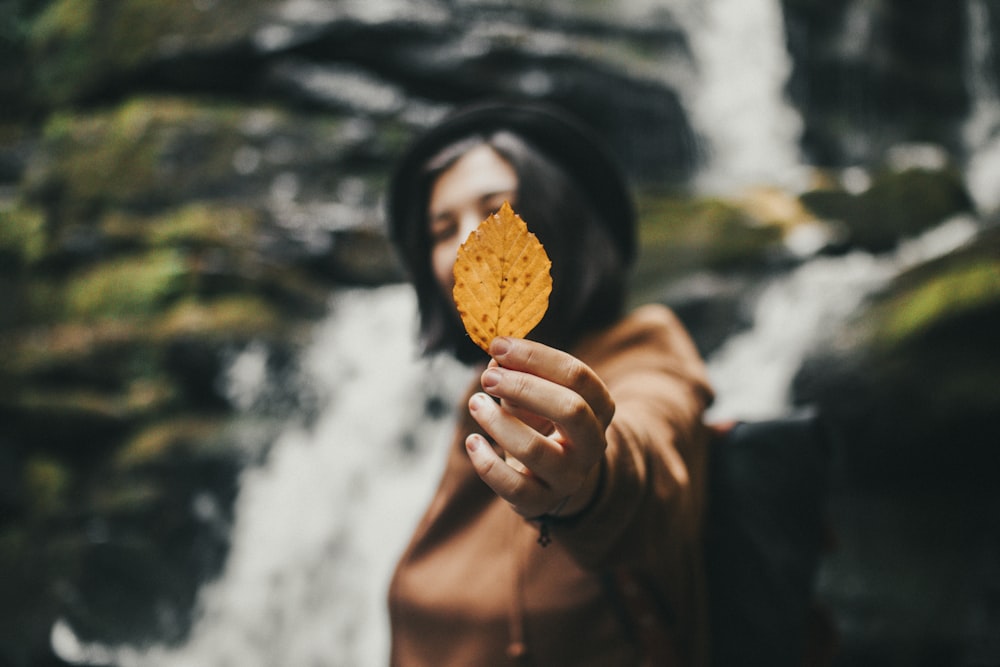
(321, 523)
(982, 129)
(752, 372)
(738, 104)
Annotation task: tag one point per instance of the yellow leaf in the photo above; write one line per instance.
(502, 279)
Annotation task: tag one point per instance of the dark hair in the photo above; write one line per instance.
(589, 262)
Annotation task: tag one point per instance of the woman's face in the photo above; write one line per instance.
(465, 194)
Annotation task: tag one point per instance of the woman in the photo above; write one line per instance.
(566, 529)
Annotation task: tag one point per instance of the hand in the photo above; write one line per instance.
(549, 428)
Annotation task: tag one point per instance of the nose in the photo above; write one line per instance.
(467, 223)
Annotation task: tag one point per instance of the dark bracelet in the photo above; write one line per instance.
(543, 521)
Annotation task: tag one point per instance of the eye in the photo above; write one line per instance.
(492, 204)
(443, 228)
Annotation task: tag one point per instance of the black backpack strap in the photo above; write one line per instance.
(765, 533)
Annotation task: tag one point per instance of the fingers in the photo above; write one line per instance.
(549, 426)
(543, 407)
(559, 368)
(526, 494)
(538, 456)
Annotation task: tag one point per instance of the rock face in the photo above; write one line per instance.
(909, 390)
(868, 76)
(888, 381)
(183, 180)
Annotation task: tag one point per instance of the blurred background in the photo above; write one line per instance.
(215, 434)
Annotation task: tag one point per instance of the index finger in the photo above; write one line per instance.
(556, 366)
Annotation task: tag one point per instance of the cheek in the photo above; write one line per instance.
(442, 263)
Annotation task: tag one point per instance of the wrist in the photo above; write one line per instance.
(585, 496)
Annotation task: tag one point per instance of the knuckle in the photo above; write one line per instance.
(610, 411)
(485, 466)
(534, 451)
(519, 385)
(574, 409)
(529, 354)
(520, 494)
(575, 372)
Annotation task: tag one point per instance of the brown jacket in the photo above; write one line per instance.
(475, 588)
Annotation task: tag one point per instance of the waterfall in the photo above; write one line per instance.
(737, 102)
(982, 129)
(320, 524)
(752, 371)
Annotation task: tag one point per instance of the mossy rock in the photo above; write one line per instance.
(682, 234)
(111, 352)
(104, 354)
(38, 565)
(166, 505)
(145, 154)
(921, 304)
(227, 318)
(910, 383)
(23, 238)
(897, 205)
(156, 170)
(196, 224)
(931, 296)
(136, 399)
(363, 257)
(226, 247)
(131, 286)
(79, 47)
(198, 251)
(23, 244)
(188, 436)
(82, 421)
(81, 387)
(939, 323)
(46, 486)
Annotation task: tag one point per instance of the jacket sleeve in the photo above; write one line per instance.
(649, 506)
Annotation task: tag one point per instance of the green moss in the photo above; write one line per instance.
(92, 161)
(47, 484)
(130, 286)
(60, 42)
(40, 350)
(43, 300)
(680, 234)
(197, 224)
(87, 404)
(897, 205)
(953, 293)
(22, 235)
(230, 317)
(126, 497)
(79, 44)
(148, 152)
(163, 439)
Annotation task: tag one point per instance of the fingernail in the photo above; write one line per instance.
(499, 347)
(476, 401)
(491, 378)
(472, 443)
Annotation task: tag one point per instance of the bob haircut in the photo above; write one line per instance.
(590, 253)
